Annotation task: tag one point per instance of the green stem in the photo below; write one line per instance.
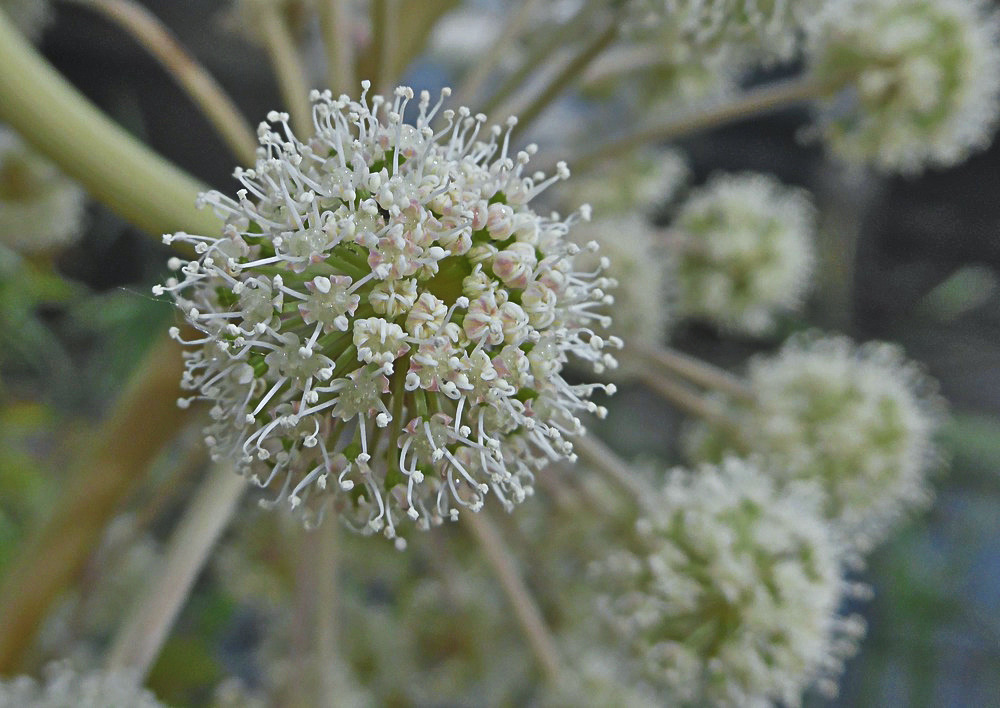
(540, 56)
(751, 103)
(144, 420)
(604, 460)
(147, 627)
(115, 168)
(202, 88)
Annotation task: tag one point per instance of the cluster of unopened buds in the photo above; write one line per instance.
(383, 308)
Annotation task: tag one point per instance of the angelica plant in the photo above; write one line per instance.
(403, 315)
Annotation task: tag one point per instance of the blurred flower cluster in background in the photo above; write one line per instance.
(679, 389)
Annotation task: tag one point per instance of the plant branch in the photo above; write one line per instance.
(144, 420)
(113, 166)
(601, 457)
(334, 24)
(473, 82)
(525, 609)
(686, 399)
(754, 102)
(203, 89)
(564, 78)
(141, 637)
(287, 65)
(694, 370)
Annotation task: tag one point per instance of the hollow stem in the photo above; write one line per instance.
(203, 89)
(525, 609)
(594, 452)
(144, 420)
(287, 65)
(693, 369)
(334, 24)
(752, 103)
(148, 624)
(113, 166)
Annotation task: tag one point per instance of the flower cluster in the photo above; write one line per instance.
(743, 251)
(65, 687)
(763, 28)
(385, 316)
(733, 596)
(857, 420)
(909, 83)
(40, 207)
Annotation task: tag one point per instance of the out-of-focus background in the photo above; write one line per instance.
(925, 273)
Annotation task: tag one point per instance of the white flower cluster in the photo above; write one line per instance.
(40, 208)
(385, 316)
(857, 420)
(743, 251)
(769, 29)
(65, 687)
(909, 83)
(733, 597)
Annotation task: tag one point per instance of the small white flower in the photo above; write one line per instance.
(743, 251)
(909, 83)
(858, 421)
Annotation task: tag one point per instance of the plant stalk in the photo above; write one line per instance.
(118, 170)
(287, 65)
(147, 627)
(525, 609)
(335, 27)
(144, 420)
(694, 370)
(199, 84)
(754, 102)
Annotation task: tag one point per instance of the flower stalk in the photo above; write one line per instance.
(140, 639)
(287, 65)
(755, 102)
(200, 85)
(526, 610)
(144, 420)
(54, 117)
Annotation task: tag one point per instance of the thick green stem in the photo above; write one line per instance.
(148, 624)
(200, 85)
(144, 420)
(113, 166)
